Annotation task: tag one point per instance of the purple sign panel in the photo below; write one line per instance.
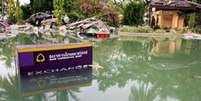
(56, 58)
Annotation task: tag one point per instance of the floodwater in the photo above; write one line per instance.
(126, 69)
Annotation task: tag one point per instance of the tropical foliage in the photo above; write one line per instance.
(14, 12)
(58, 9)
(27, 11)
(11, 11)
(41, 5)
(18, 13)
(194, 19)
(133, 13)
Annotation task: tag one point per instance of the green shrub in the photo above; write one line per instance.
(26, 11)
(197, 29)
(144, 29)
(128, 29)
(139, 29)
(133, 13)
(11, 20)
(185, 30)
(74, 16)
(111, 18)
(160, 31)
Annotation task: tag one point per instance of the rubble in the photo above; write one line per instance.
(88, 23)
(84, 30)
(90, 27)
(37, 18)
(5, 30)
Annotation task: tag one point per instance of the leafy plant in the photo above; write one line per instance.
(111, 17)
(26, 11)
(133, 13)
(87, 8)
(41, 5)
(197, 29)
(139, 29)
(160, 31)
(58, 9)
(18, 13)
(74, 16)
(11, 19)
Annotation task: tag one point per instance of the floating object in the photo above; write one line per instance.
(44, 67)
(38, 60)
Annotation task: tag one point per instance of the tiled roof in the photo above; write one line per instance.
(175, 4)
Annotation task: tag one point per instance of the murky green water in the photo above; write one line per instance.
(128, 69)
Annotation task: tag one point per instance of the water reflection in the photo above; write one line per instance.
(169, 66)
(7, 47)
(48, 88)
(45, 83)
(140, 69)
(142, 91)
(166, 48)
(60, 86)
(7, 53)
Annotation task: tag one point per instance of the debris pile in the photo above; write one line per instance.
(4, 27)
(88, 23)
(37, 18)
(42, 25)
(90, 27)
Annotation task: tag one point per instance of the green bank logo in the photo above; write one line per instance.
(40, 58)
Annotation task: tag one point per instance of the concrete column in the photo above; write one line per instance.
(160, 19)
(175, 20)
(181, 22)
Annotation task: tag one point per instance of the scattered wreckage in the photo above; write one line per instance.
(37, 18)
(4, 27)
(91, 28)
(5, 30)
